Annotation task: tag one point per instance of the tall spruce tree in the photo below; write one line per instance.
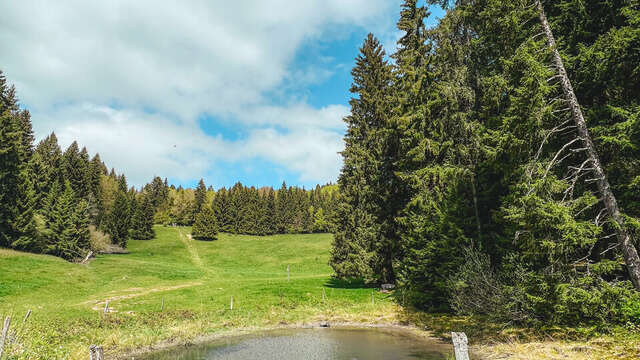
(142, 218)
(119, 218)
(51, 154)
(17, 191)
(10, 178)
(363, 246)
(200, 197)
(75, 169)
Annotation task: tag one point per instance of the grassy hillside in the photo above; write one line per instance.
(196, 281)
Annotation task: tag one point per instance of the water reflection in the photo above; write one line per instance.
(314, 344)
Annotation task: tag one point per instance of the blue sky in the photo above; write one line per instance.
(250, 91)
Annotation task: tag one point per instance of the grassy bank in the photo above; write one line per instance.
(194, 279)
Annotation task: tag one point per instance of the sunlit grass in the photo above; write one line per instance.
(194, 279)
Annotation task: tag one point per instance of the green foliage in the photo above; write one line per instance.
(365, 243)
(199, 197)
(142, 219)
(75, 169)
(205, 226)
(265, 211)
(484, 156)
(118, 225)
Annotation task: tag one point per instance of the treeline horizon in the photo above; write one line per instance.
(247, 210)
(63, 203)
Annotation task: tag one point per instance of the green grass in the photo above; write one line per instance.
(195, 279)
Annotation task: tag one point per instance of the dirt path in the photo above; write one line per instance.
(136, 292)
(187, 240)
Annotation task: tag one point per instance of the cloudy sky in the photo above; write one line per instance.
(250, 90)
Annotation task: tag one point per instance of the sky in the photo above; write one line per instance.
(248, 90)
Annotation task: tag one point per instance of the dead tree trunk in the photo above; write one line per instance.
(624, 240)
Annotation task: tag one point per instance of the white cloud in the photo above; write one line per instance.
(92, 71)
(153, 144)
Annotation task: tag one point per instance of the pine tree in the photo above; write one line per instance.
(362, 246)
(158, 191)
(282, 211)
(24, 224)
(61, 228)
(81, 236)
(17, 191)
(10, 178)
(96, 171)
(118, 227)
(142, 219)
(222, 210)
(51, 154)
(205, 226)
(270, 212)
(200, 197)
(75, 169)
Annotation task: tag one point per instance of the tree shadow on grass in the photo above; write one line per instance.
(336, 283)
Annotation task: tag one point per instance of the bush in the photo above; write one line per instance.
(517, 294)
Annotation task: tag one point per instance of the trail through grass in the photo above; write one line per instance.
(194, 279)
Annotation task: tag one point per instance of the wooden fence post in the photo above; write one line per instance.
(26, 317)
(231, 303)
(95, 352)
(106, 306)
(87, 257)
(460, 345)
(5, 331)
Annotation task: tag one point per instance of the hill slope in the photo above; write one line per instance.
(194, 279)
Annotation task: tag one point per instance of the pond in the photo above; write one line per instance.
(317, 343)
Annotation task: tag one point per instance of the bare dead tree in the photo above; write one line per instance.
(629, 251)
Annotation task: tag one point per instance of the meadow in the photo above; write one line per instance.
(173, 290)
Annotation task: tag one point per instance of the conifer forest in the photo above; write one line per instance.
(491, 162)
(490, 170)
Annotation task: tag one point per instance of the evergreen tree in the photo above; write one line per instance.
(51, 154)
(96, 171)
(67, 224)
(142, 219)
(270, 226)
(158, 191)
(10, 177)
(220, 206)
(200, 197)
(118, 227)
(363, 247)
(17, 191)
(75, 169)
(205, 226)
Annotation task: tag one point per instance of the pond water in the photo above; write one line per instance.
(315, 344)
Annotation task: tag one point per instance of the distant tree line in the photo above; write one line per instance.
(247, 210)
(469, 178)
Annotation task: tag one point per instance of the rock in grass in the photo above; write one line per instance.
(387, 287)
